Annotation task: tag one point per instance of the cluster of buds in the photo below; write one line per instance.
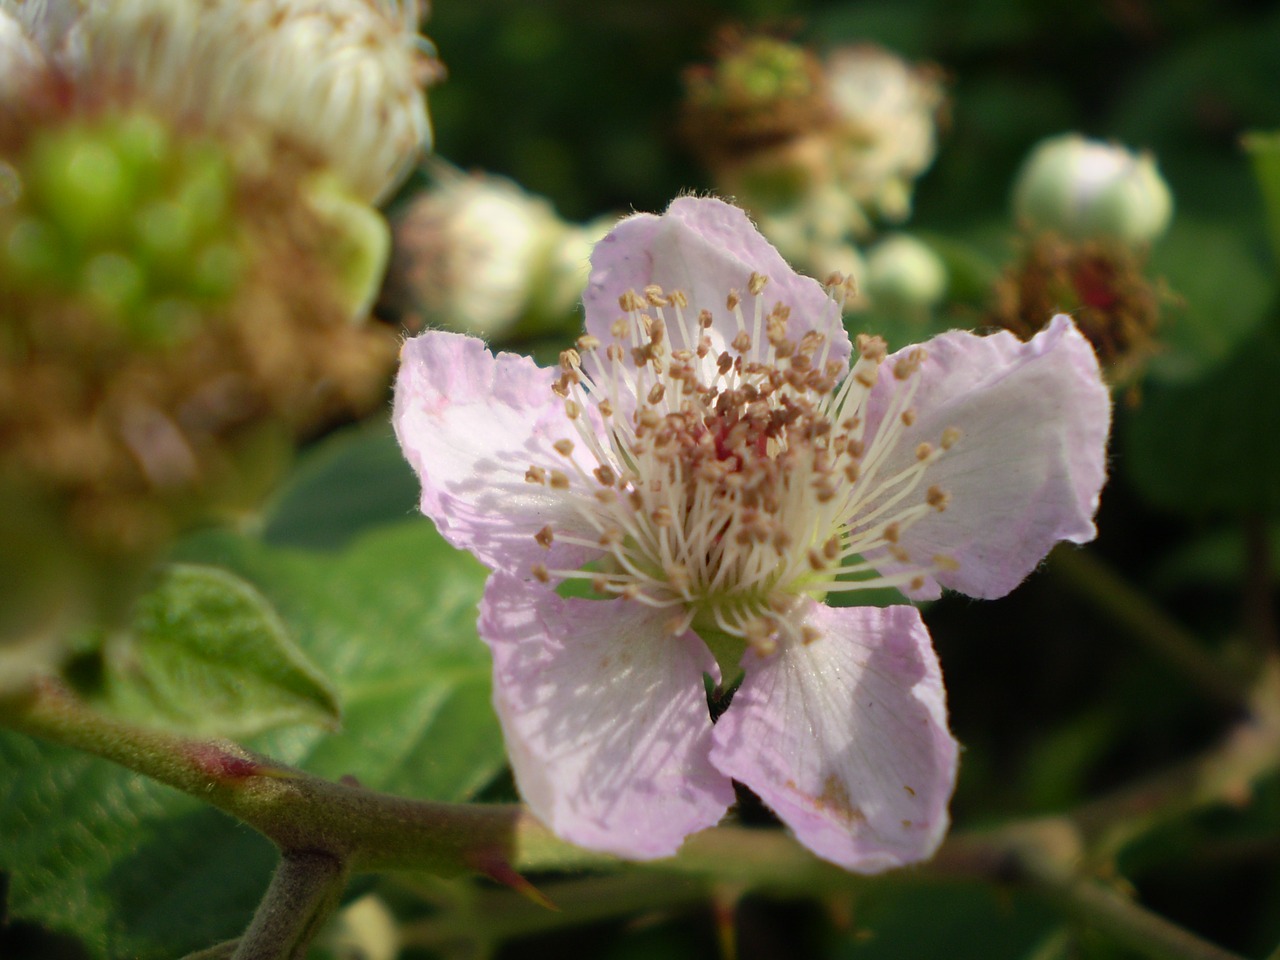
(1087, 212)
(818, 149)
(478, 254)
(188, 254)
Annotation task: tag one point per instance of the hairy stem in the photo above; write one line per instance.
(326, 828)
(304, 891)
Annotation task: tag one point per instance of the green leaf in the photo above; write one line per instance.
(1222, 292)
(1264, 151)
(208, 656)
(1209, 447)
(137, 870)
(353, 480)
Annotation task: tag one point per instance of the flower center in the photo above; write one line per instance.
(726, 480)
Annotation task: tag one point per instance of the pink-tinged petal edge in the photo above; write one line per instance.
(605, 718)
(705, 247)
(846, 739)
(471, 423)
(1029, 467)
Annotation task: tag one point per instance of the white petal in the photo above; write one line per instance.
(471, 424)
(846, 739)
(605, 717)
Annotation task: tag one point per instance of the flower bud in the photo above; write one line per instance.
(1090, 190)
(905, 276)
(476, 252)
(886, 124)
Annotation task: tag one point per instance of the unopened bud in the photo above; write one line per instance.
(904, 275)
(1089, 190)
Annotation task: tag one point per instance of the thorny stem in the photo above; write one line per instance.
(1096, 582)
(339, 826)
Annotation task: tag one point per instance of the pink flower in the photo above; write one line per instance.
(709, 468)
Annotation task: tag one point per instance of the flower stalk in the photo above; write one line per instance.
(327, 829)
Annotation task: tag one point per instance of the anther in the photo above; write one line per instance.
(604, 473)
(949, 437)
(619, 328)
(924, 451)
(570, 360)
(742, 342)
(587, 342)
(705, 320)
(733, 300)
(611, 537)
(559, 481)
(756, 283)
(656, 393)
(544, 537)
(571, 409)
(540, 573)
(535, 475)
(892, 532)
(872, 348)
(937, 498)
(908, 416)
(906, 366)
(629, 301)
(808, 634)
(653, 294)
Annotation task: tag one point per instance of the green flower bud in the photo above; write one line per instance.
(1090, 190)
(905, 276)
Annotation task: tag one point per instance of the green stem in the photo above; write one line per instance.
(322, 826)
(304, 892)
(1147, 623)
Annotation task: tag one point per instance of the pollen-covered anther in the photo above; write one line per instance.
(872, 348)
(917, 583)
(906, 366)
(759, 634)
(535, 475)
(899, 553)
(540, 573)
(586, 343)
(924, 451)
(817, 561)
(544, 537)
(653, 295)
(656, 393)
(809, 634)
(908, 417)
(559, 480)
(892, 532)
(742, 342)
(661, 517)
(756, 283)
(605, 408)
(572, 410)
(630, 301)
(618, 329)
(733, 301)
(570, 360)
(611, 537)
(605, 474)
(949, 437)
(563, 447)
(937, 498)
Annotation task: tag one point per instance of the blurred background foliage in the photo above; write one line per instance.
(1061, 693)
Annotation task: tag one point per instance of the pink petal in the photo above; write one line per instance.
(1031, 459)
(845, 738)
(471, 424)
(605, 718)
(705, 248)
